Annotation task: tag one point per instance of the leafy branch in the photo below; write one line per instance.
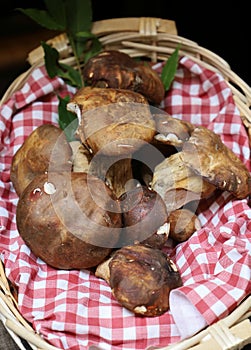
(75, 19)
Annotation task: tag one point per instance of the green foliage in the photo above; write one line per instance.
(57, 12)
(74, 17)
(78, 19)
(170, 68)
(43, 18)
(67, 121)
(94, 48)
(55, 68)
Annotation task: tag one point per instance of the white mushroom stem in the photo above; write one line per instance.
(81, 157)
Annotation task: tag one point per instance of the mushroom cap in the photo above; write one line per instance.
(172, 131)
(206, 154)
(144, 217)
(118, 70)
(178, 184)
(69, 220)
(112, 121)
(141, 279)
(111, 69)
(45, 147)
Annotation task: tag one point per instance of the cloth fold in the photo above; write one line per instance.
(187, 318)
(215, 265)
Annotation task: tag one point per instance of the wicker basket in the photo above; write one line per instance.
(155, 39)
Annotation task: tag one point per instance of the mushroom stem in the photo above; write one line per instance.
(116, 172)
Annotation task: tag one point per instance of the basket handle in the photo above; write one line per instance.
(145, 26)
(149, 26)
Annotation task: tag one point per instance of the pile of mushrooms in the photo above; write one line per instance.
(111, 200)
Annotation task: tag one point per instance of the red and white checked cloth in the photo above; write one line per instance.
(74, 309)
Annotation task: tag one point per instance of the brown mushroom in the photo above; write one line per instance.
(115, 172)
(45, 148)
(112, 121)
(116, 69)
(178, 184)
(170, 135)
(69, 220)
(172, 131)
(206, 155)
(183, 223)
(141, 279)
(112, 125)
(144, 218)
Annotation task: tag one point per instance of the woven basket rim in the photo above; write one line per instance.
(155, 38)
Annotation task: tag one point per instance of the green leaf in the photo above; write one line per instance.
(71, 75)
(79, 16)
(79, 19)
(43, 18)
(56, 9)
(51, 57)
(170, 68)
(75, 19)
(67, 121)
(85, 35)
(55, 68)
(94, 45)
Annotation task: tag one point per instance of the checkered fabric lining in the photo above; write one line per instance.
(74, 309)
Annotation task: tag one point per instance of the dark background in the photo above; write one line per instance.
(224, 30)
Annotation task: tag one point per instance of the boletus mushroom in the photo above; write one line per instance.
(207, 156)
(116, 69)
(46, 147)
(178, 184)
(144, 218)
(113, 123)
(69, 220)
(141, 278)
(172, 131)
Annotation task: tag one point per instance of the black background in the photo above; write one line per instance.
(215, 25)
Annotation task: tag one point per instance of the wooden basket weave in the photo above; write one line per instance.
(156, 39)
